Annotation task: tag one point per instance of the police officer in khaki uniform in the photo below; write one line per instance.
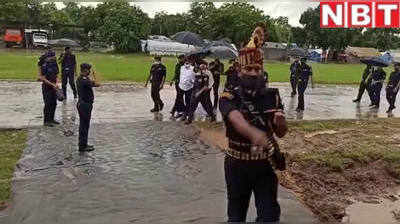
(253, 116)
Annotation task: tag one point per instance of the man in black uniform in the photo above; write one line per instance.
(363, 84)
(158, 73)
(393, 86)
(378, 77)
(201, 93)
(232, 75)
(305, 73)
(68, 68)
(294, 75)
(48, 76)
(179, 105)
(252, 115)
(217, 69)
(85, 105)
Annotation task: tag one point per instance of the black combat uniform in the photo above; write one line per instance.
(232, 77)
(201, 80)
(179, 105)
(304, 75)
(294, 76)
(363, 84)
(392, 89)
(68, 64)
(158, 73)
(378, 77)
(217, 69)
(246, 173)
(85, 105)
(49, 71)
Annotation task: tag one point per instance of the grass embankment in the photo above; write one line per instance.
(330, 162)
(12, 143)
(20, 64)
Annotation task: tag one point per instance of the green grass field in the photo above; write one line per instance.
(21, 65)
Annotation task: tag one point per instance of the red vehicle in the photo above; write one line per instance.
(13, 37)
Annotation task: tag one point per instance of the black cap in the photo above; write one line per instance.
(85, 66)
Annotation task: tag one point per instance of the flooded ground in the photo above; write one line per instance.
(21, 104)
(143, 170)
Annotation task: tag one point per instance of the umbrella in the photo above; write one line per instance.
(297, 52)
(190, 38)
(375, 62)
(219, 43)
(223, 52)
(199, 53)
(64, 42)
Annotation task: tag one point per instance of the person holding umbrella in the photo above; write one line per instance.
(68, 67)
(363, 85)
(377, 79)
(392, 87)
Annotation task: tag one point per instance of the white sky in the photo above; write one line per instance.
(274, 8)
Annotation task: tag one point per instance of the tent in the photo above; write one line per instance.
(163, 47)
(315, 55)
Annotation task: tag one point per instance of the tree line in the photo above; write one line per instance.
(123, 25)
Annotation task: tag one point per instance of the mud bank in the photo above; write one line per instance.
(344, 170)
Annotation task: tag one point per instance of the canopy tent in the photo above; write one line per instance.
(165, 47)
(63, 43)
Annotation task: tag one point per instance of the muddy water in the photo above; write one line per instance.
(367, 213)
(21, 104)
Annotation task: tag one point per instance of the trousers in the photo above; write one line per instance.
(50, 103)
(293, 83)
(376, 93)
(187, 95)
(215, 91)
(391, 97)
(68, 76)
(85, 114)
(179, 105)
(204, 99)
(361, 90)
(246, 177)
(301, 88)
(155, 95)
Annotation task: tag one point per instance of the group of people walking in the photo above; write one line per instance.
(372, 80)
(194, 80)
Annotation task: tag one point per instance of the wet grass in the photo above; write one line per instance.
(12, 144)
(21, 65)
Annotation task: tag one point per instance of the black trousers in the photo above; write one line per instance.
(301, 88)
(361, 90)
(391, 97)
(50, 103)
(246, 177)
(205, 100)
(376, 93)
(187, 95)
(293, 83)
(179, 105)
(155, 95)
(215, 91)
(68, 76)
(85, 114)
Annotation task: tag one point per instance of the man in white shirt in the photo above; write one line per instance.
(203, 84)
(186, 83)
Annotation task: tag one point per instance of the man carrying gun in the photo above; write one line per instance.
(253, 114)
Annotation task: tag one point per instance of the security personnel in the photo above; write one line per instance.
(158, 73)
(392, 87)
(294, 75)
(68, 68)
(378, 77)
(363, 84)
(179, 105)
(201, 93)
(232, 75)
(85, 86)
(252, 114)
(48, 76)
(217, 69)
(305, 73)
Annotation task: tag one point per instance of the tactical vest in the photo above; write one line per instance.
(201, 80)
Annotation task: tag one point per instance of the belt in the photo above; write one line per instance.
(248, 156)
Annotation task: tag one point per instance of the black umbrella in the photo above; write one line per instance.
(186, 37)
(223, 52)
(297, 52)
(375, 61)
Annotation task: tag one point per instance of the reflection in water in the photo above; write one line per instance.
(300, 115)
(358, 111)
(158, 116)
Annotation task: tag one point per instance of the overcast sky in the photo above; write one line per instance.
(289, 8)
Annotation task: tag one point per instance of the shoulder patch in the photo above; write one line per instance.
(227, 95)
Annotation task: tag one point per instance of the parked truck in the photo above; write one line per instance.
(26, 38)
